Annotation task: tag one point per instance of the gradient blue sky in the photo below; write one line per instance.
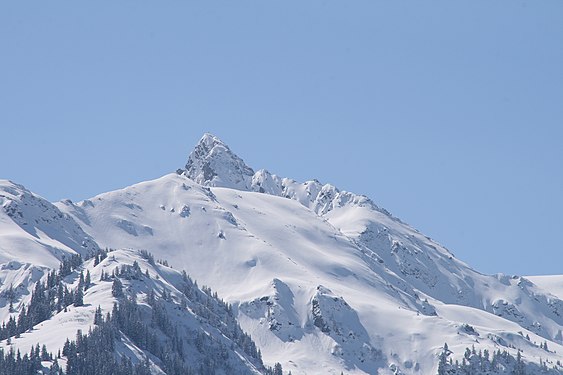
(447, 113)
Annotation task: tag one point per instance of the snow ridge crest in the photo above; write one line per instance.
(212, 163)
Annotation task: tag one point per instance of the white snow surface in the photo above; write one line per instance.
(550, 283)
(65, 324)
(324, 280)
(32, 230)
(393, 296)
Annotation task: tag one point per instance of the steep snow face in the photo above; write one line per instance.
(35, 231)
(432, 270)
(316, 296)
(212, 163)
(252, 247)
(415, 259)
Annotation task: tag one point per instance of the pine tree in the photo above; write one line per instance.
(98, 318)
(117, 288)
(54, 370)
(278, 369)
(443, 360)
(87, 280)
(78, 298)
(519, 369)
(68, 297)
(60, 297)
(11, 295)
(45, 356)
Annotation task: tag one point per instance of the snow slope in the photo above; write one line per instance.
(550, 283)
(184, 312)
(324, 280)
(35, 231)
(34, 237)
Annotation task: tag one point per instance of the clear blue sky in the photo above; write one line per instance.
(447, 113)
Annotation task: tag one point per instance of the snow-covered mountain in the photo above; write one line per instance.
(323, 280)
(36, 231)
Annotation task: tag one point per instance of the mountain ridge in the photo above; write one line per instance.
(324, 280)
(47, 230)
(212, 163)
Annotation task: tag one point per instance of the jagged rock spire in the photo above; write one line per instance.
(212, 163)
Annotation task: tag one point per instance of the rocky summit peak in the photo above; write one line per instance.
(212, 163)
(210, 140)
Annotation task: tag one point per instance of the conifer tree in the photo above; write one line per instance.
(78, 298)
(98, 318)
(87, 280)
(117, 288)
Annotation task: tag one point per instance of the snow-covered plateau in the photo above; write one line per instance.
(220, 269)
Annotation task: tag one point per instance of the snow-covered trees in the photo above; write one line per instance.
(117, 288)
(278, 369)
(69, 264)
(481, 363)
(152, 327)
(442, 364)
(14, 363)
